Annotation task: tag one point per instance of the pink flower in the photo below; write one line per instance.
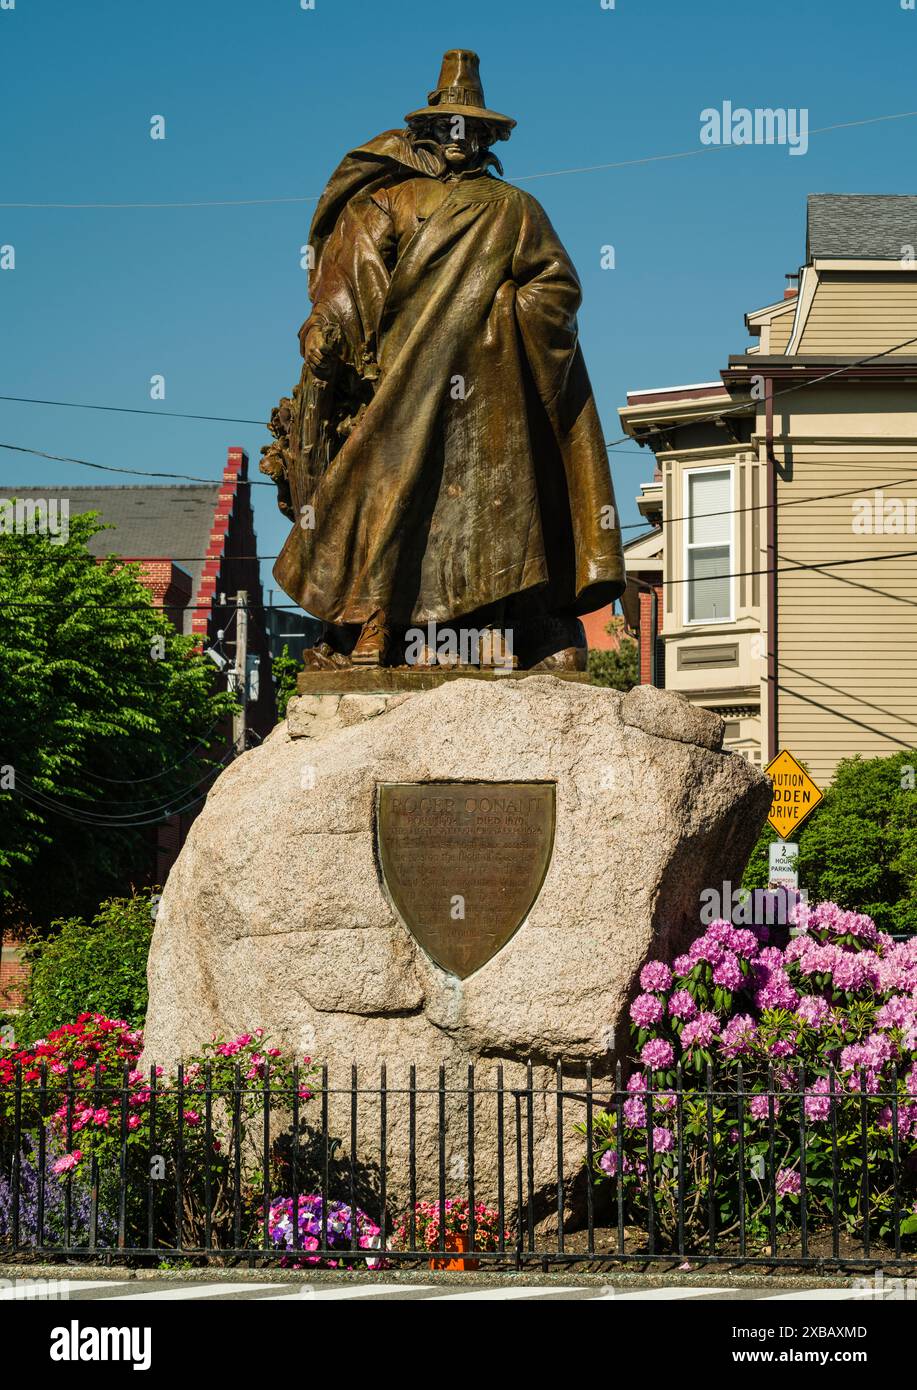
(657, 1053)
(759, 1107)
(67, 1162)
(818, 1100)
(663, 1140)
(738, 1035)
(655, 975)
(728, 973)
(789, 1183)
(634, 1112)
(814, 1010)
(646, 1010)
(609, 1162)
(700, 1031)
(682, 1005)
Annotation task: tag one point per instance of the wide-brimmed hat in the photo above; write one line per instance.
(459, 92)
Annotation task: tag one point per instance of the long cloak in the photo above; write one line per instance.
(478, 469)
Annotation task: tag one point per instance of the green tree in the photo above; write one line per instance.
(90, 967)
(108, 719)
(285, 669)
(859, 846)
(620, 667)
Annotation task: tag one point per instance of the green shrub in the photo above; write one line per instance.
(859, 846)
(285, 669)
(96, 967)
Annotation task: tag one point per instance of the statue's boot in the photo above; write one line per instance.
(325, 658)
(372, 643)
(497, 649)
(556, 643)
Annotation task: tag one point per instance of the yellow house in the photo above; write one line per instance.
(788, 517)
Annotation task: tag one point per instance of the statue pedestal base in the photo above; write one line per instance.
(377, 679)
(547, 836)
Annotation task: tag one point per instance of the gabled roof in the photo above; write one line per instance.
(172, 523)
(860, 226)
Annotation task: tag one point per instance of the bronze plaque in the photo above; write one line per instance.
(464, 862)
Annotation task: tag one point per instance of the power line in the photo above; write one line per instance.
(106, 823)
(733, 574)
(183, 415)
(140, 802)
(522, 178)
(744, 406)
(784, 569)
(135, 472)
(788, 502)
(136, 781)
(130, 410)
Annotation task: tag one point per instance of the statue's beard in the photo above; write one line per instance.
(480, 159)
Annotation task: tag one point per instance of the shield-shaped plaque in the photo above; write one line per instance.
(463, 862)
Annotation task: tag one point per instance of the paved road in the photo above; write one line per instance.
(146, 1290)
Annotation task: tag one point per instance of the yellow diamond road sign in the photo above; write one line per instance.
(795, 794)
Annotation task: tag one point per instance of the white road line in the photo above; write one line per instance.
(513, 1291)
(190, 1291)
(69, 1288)
(666, 1294)
(822, 1295)
(323, 1292)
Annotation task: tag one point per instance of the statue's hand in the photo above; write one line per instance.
(318, 350)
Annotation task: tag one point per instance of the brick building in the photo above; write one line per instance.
(197, 549)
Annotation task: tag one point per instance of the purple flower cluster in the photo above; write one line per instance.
(345, 1229)
(730, 999)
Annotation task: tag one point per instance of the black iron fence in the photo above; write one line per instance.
(498, 1167)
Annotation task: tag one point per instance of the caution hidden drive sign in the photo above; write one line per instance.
(795, 794)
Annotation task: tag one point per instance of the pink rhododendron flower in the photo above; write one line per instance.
(646, 1010)
(817, 1103)
(728, 973)
(682, 1005)
(657, 1054)
(759, 1106)
(738, 1035)
(788, 1183)
(700, 1031)
(655, 975)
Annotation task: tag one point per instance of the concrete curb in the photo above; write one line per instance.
(468, 1280)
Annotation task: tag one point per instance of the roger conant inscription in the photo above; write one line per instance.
(464, 862)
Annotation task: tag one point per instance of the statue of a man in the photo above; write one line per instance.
(442, 456)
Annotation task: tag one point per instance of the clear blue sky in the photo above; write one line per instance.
(261, 98)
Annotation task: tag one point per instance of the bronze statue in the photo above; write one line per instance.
(442, 455)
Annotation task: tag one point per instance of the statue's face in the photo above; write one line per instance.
(462, 141)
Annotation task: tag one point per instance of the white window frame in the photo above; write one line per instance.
(688, 546)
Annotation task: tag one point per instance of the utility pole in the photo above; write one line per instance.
(241, 671)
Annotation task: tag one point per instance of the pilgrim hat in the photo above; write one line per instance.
(459, 92)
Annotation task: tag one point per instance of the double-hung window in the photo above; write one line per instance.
(708, 545)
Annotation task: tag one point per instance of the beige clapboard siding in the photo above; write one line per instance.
(847, 639)
(780, 330)
(852, 313)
